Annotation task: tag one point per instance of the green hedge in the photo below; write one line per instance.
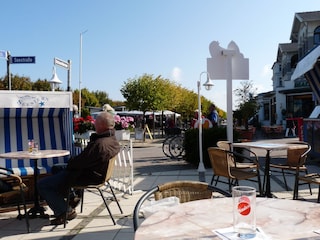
(210, 137)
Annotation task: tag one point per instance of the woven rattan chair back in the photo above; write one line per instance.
(295, 155)
(186, 191)
(220, 162)
(224, 145)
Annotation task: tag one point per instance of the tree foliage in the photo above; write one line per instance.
(102, 97)
(142, 93)
(156, 93)
(247, 104)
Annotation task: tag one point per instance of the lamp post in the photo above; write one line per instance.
(208, 85)
(80, 70)
(54, 80)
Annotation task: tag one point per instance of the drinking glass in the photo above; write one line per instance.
(244, 211)
(35, 147)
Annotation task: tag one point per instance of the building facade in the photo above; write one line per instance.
(292, 93)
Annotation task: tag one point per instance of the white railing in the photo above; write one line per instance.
(122, 178)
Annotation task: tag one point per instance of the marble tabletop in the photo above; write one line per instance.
(40, 154)
(277, 218)
(263, 145)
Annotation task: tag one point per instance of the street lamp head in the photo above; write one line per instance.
(54, 80)
(208, 84)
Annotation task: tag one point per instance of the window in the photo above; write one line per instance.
(316, 36)
(266, 111)
(280, 82)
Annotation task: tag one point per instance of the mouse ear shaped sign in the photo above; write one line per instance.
(218, 64)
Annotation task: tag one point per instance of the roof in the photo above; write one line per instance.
(288, 47)
(302, 17)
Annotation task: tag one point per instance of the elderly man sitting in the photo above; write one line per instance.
(89, 167)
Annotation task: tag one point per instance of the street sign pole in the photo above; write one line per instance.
(17, 60)
(8, 70)
(67, 65)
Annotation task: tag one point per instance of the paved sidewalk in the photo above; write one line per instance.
(151, 168)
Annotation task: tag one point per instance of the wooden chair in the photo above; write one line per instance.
(220, 161)
(186, 191)
(99, 188)
(16, 194)
(296, 157)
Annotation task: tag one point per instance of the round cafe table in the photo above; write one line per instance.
(277, 218)
(36, 210)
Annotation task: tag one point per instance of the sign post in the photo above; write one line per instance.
(30, 59)
(67, 65)
(10, 59)
(227, 64)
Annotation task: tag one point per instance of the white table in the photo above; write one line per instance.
(268, 147)
(36, 210)
(278, 218)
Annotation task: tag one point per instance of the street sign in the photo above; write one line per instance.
(3, 54)
(61, 63)
(23, 60)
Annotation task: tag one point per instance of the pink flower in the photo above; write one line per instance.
(124, 122)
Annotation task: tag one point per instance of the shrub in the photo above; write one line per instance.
(210, 138)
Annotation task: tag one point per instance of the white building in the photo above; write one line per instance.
(296, 95)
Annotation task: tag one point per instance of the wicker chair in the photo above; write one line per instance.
(240, 162)
(17, 194)
(311, 178)
(186, 191)
(98, 187)
(220, 161)
(296, 157)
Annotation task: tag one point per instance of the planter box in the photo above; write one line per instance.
(85, 135)
(122, 135)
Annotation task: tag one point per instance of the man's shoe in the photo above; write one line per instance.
(61, 218)
(74, 202)
(71, 215)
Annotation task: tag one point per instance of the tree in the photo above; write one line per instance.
(144, 93)
(248, 106)
(102, 97)
(41, 85)
(20, 83)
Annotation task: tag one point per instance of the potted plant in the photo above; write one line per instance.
(247, 108)
(123, 126)
(83, 125)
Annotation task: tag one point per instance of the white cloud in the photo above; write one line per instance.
(266, 71)
(176, 74)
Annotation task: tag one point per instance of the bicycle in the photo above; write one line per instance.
(173, 145)
(176, 146)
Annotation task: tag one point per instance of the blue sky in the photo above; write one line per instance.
(128, 38)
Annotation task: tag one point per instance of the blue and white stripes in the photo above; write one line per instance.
(51, 127)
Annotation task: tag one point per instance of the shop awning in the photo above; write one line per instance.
(309, 66)
(307, 63)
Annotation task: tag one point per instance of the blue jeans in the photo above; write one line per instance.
(52, 189)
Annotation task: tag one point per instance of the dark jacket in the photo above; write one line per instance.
(90, 166)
